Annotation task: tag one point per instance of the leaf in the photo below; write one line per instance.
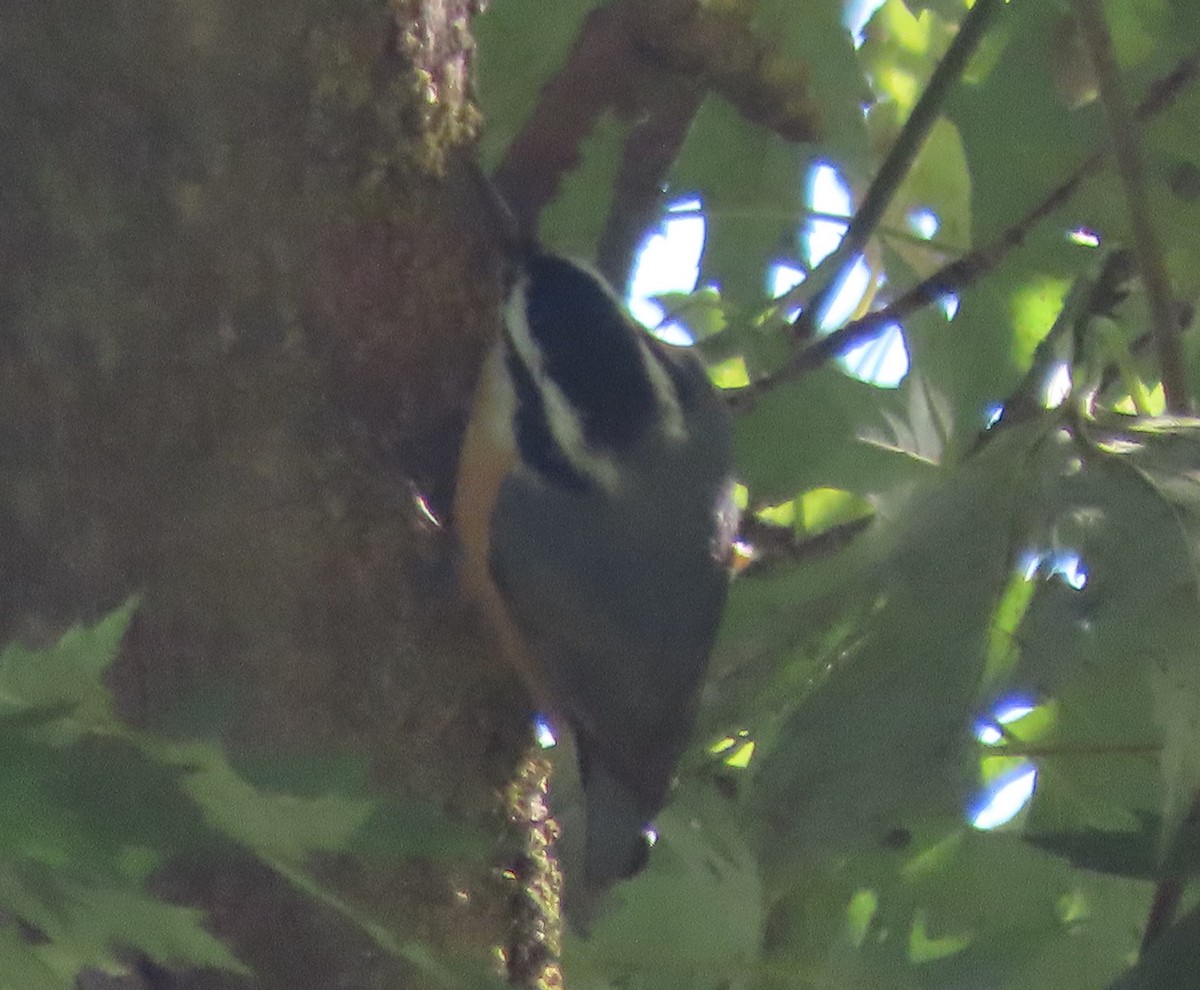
(1166, 454)
(1137, 27)
(103, 919)
(575, 219)
(940, 182)
(701, 313)
(302, 773)
(1003, 641)
(777, 629)
(900, 52)
(1024, 909)
(325, 816)
(275, 826)
(1131, 854)
(1173, 960)
(804, 434)
(67, 673)
(885, 734)
(925, 429)
(23, 965)
(693, 917)
(1090, 647)
(817, 36)
(89, 803)
(87, 922)
(924, 947)
(972, 381)
(1014, 155)
(393, 828)
(401, 828)
(521, 44)
(85, 818)
(93, 807)
(749, 181)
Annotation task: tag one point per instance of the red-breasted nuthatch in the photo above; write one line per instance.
(594, 516)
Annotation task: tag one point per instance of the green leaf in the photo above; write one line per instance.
(301, 773)
(275, 826)
(393, 827)
(23, 965)
(693, 917)
(1131, 854)
(901, 51)
(102, 919)
(924, 947)
(1016, 156)
(1165, 453)
(817, 36)
(1091, 649)
(575, 219)
(1003, 643)
(521, 44)
(399, 828)
(1022, 908)
(86, 922)
(923, 430)
(885, 734)
(1173, 961)
(701, 313)
(804, 434)
(67, 673)
(750, 183)
(87, 804)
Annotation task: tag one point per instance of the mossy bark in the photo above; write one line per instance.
(244, 286)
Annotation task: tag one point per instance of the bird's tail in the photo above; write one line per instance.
(615, 846)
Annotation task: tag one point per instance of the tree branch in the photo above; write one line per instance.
(650, 150)
(651, 64)
(548, 146)
(1168, 892)
(1128, 155)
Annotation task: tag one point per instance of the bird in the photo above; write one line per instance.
(595, 519)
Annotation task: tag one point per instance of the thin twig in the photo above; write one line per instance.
(933, 243)
(828, 275)
(1128, 154)
(1168, 892)
(1081, 749)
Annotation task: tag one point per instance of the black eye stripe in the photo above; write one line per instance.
(535, 441)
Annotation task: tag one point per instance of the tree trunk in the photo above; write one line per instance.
(245, 287)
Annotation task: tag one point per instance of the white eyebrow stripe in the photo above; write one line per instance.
(563, 421)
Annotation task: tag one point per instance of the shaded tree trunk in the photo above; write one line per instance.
(244, 289)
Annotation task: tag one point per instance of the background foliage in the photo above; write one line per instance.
(935, 571)
(920, 564)
(95, 808)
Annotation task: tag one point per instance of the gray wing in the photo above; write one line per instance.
(619, 608)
